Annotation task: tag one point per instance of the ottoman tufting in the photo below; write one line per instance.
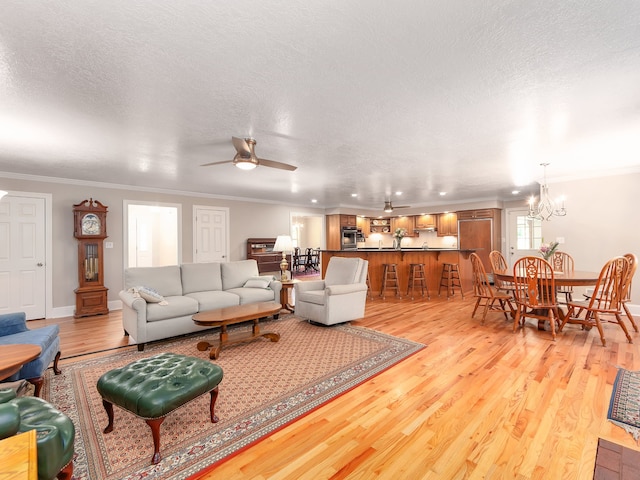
(153, 387)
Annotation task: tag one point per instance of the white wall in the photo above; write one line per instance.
(247, 219)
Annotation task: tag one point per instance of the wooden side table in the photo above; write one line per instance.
(284, 294)
(18, 455)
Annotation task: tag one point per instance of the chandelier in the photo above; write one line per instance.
(546, 207)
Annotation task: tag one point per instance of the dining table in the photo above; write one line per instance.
(575, 278)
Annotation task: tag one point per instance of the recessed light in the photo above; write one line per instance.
(313, 200)
(515, 192)
(398, 193)
(354, 194)
(442, 194)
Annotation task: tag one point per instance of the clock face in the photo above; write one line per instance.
(90, 224)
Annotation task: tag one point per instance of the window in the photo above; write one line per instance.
(528, 233)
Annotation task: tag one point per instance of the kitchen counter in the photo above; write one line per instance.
(432, 258)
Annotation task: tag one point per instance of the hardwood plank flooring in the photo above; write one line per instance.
(478, 402)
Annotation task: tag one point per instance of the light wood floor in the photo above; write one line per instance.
(477, 402)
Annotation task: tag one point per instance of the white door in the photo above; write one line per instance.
(210, 230)
(23, 256)
(524, 235)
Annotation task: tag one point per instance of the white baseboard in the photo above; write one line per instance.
(68, 311)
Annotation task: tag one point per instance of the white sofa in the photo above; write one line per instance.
(339, 298)
(186, 290)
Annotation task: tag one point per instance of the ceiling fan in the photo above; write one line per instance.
(246, 158)
(388, 207)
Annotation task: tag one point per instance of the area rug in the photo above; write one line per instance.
(266, 386)
(624, 406)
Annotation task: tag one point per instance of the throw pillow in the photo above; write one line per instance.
(149, 295)
(258, 282)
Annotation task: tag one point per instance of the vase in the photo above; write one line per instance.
(397, 243)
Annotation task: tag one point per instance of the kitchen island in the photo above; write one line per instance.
(432, 258)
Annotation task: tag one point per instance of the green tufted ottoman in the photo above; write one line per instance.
(153, 387)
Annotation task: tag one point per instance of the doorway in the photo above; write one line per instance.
(524, 235)
(26, 278)
(152, 233)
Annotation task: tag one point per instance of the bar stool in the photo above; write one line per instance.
(369, 295)
(389, 279)
(416, 276)
(450, 279)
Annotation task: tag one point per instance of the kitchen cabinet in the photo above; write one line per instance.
(348, 220)
(426, 222)
(480, 230)
(333, 235)
(447, 224)
(482, 213)
(406, 222)
(364, 225)
(380, 225)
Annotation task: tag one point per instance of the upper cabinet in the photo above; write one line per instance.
(364, 225)
(348, 220)
(426, 222)
(408, 223)
(482, 213)
(447, 224)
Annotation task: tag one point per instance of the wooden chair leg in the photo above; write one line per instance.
(214, 397)
(56, 370)
(67, 472)
(630, 317)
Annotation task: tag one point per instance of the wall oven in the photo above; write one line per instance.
(349, 238)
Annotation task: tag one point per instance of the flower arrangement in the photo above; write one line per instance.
(548, 249)
(400, 233)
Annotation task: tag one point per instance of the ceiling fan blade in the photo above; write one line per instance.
(216, 163)
(241, 146)
(402, 206)
(273, 164)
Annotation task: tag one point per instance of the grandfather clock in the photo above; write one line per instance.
(90, 228)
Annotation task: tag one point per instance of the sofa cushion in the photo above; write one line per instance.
(166, 280)
(178, 306)
(201, 277)
(235, 274)
(214, 299)
(252, 295)
(148, 294)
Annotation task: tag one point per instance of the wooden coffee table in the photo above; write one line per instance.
(222, 317)
(13, 357)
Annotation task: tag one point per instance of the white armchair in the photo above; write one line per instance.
(340, 297)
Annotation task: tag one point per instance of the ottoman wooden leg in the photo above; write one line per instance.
(214, 397)
(155, 423)
(108, 406)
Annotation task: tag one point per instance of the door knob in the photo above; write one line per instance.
(40, 264)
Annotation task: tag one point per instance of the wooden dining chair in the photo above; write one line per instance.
(535, 292)
(483, 292)
(563, 262)
(607, 300)
(626, 294)
(498, 263)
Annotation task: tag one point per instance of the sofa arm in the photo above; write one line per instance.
(276, 286)
(138, 304)
(344, 289)
(11, 323)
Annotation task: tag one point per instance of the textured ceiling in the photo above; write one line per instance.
(365, 97)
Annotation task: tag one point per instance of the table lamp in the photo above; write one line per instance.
(283, 244)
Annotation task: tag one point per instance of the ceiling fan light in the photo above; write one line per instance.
(245, 163)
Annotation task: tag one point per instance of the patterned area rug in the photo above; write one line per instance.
(266, 385)
(624, 407)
